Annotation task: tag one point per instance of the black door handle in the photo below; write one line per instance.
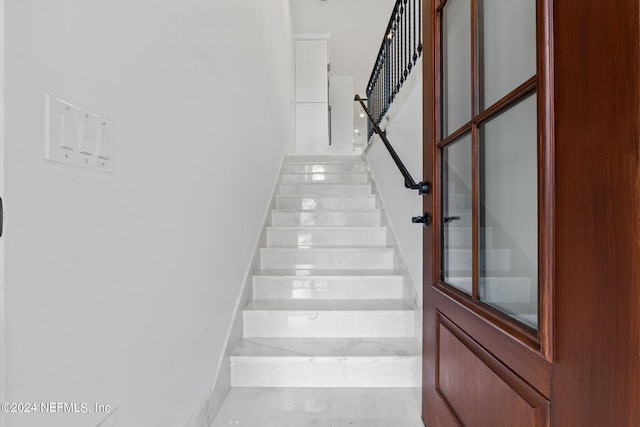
(425, 220)
(1, 217)
(449, 219)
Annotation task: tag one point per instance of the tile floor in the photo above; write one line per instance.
(321, 407)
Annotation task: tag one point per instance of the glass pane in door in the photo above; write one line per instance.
(456, 65)
(508, 212)
(457, 193)
(507, 44)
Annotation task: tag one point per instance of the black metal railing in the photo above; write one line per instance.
(409, 182)
(400, 50)
(398, 54)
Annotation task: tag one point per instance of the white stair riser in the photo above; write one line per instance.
(325, 178)
(325, 371)
(314, 219)
(461, 237)
(506, 290)
(325, 189)
(328, 203)
(326, 324)
(352, 259)
(490, 260)
(355, 236)
(356, 287)
(323, 159)
(325, 168)
(500, 289)
(458, 201)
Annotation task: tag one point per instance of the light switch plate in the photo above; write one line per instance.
(75, 136)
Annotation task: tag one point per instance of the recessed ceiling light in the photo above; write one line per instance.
(357, 131)
(361, 114)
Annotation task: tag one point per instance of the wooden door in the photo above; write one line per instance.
(565, 352)
(488, 346)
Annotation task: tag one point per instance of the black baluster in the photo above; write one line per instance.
(402, 42)
(407, 52)
(414, 50)
(400, 47)
(419, 27)
(392, 55)
(387, 70)
(399, 52)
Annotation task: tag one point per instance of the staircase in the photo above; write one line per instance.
(501, 285)
(330, 305)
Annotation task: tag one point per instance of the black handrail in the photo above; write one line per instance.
(423, 187)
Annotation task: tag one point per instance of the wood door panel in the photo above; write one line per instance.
(478, 389)
(528, 362)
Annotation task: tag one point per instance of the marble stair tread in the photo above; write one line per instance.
(317, 167)
(349, 197)
(493, 259)
(360, 258)
(341, 318)
(310, 203)
(462, 237)
(324, 177)
(327, 347)
(324, 210)
(320, 172)
(321, 407)
(333, 218)
(323, 159)
(326, 235)
(315, 305)
(495, 276)
(500, 289)
(328, 287)
(302, 272)
(328, 228)
(519, 307)
(340, 371)
(322, 189)
(319, 248)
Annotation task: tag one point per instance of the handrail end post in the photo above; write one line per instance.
(424, 188)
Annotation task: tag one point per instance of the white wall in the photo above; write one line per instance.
(120, 288)
(405, 134)
(341, 101)
(2, 172)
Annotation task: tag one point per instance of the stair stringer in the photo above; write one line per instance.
(222, 379)
(410, 294)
